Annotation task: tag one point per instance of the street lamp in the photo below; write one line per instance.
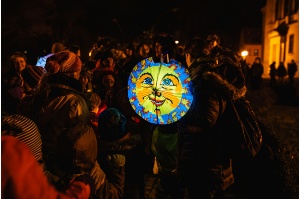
(244, 54)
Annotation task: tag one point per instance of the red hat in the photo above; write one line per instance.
(63, 62)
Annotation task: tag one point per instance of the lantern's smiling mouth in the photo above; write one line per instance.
(157, 102)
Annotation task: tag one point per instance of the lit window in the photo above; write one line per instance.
(291, 44)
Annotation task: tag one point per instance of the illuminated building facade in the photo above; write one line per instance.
(280, 32)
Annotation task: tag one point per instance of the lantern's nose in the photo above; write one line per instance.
(156, 92)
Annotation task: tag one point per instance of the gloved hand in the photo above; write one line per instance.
(116, 160)
(98, 175)
(78, 189)
(87, 179)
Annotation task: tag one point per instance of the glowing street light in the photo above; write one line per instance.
(244, 54)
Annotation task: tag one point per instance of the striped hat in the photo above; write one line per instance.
(63, 62)
(24, 130)
(32, 75)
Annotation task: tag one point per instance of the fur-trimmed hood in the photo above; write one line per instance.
(228, 77)
(232, 91)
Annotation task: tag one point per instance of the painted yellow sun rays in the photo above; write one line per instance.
(160, 93)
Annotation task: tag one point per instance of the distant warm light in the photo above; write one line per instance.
(176, 42)
(90, 53)
(244, 53)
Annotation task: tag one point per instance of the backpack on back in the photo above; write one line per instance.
(245, 138)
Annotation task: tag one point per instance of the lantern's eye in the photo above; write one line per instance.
(148, 80)
(167, 82)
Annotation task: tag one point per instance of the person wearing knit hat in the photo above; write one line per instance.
(59, 102)
(25, 130)
(32, 76)
(60, 85)
(64, 62)
(60, 106)
(111, 125)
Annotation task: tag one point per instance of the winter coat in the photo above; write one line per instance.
(113, 184)
(12, 92)
(202, 152)
(64, 111)
(257, 70)
(61, 107)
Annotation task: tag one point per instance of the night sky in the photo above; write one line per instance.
(183, 19)
(34, 24)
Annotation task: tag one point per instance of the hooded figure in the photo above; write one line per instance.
(203, 153)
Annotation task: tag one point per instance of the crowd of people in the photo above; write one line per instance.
(84, 140)
(277, 74)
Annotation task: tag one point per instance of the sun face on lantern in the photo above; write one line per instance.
(159, 92)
